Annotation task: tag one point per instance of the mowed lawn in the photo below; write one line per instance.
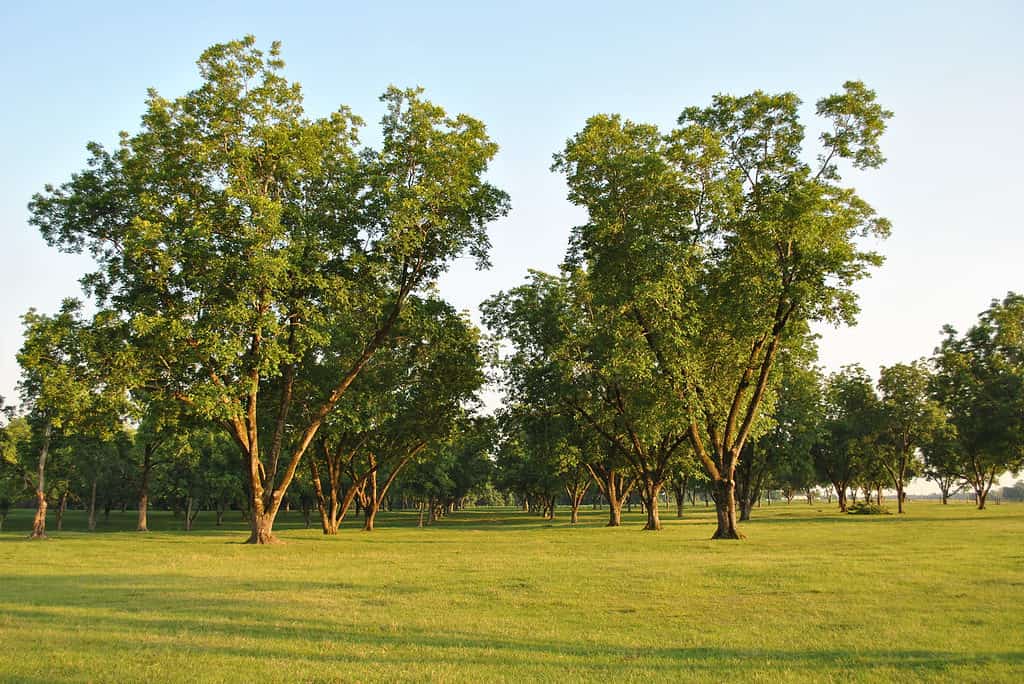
(499, 595)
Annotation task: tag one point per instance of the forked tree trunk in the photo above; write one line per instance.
(39, 521)
(725, 508)
(649, 494)
(371, 515)
(840, 495)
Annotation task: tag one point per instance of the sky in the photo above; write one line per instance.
(533, 72)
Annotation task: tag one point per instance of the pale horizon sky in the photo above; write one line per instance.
(533, 72)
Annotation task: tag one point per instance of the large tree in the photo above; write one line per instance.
(242, 240)
(715, 243)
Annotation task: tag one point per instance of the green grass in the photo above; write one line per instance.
(497, 595)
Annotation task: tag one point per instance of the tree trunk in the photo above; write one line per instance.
(39, 522)
(262, 530)
(147, 465)
(63, 506)
(371, 514)
(188, 514)
(92, 507)
(725, 508)
(840, 495)
(745, 506)
(420, 506)
(649, 495)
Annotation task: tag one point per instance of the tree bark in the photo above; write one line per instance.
(262, 527)
(649, 494)
(60, 511)
(725, 508)
(39, 521)
(147, 465)
(92, 507)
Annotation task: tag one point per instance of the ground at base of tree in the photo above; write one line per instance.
(501, 595)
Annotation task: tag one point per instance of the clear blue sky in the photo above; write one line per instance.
(533, 71)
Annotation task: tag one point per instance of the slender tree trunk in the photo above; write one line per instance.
(61, 507)
(39, 522)
(725, 507)
(371, 515)
(147, 466)
(92, 507)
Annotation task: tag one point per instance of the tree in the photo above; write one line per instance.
(244, 242)
(573, 359)
(944, 459)
(70, 384)
(14, 485)
(782, 457)
(979, 380)
(415, 393)
(714, 245)
(849, 431)
(909, 420)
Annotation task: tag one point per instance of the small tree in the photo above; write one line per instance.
(979, 380)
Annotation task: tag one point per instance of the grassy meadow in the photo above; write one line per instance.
(499, 595)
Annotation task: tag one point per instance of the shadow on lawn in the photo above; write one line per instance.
(202, 624)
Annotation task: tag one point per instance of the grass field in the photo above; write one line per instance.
(497, 595)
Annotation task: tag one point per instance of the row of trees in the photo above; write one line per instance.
(264, 299)
(956, 419)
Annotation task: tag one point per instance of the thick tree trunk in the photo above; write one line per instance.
(725, 508)
(39, 522)
(262, 530)
(649, 494)
(92, 507)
